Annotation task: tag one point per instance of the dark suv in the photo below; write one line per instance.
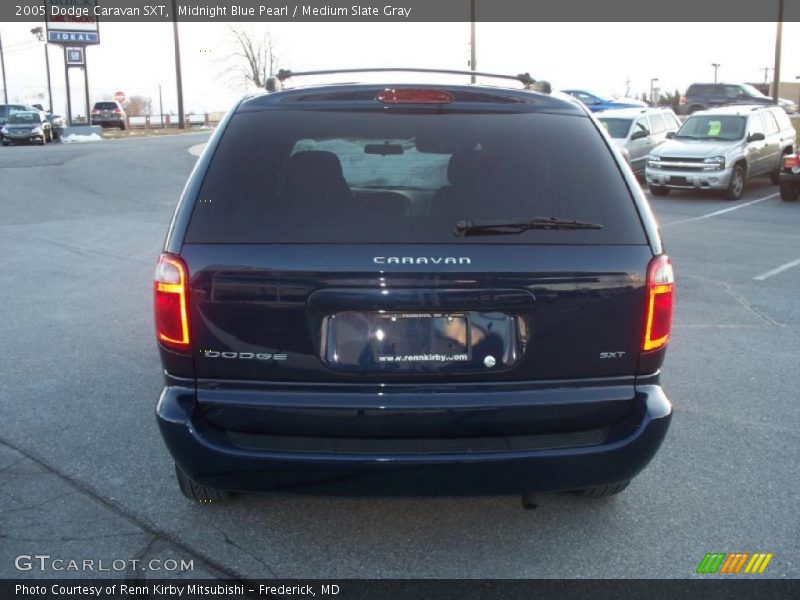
(109, 114)
(702, 96)
(399, 287)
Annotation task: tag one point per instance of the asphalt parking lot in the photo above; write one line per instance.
(84, 473)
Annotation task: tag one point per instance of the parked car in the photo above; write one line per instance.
(702, 96)
(596, 103)
(638, 130)
(6, 110)
(789, 178)
(31, 126)
(721, 149)
(393, 286)
(57, 124)
(109, 114)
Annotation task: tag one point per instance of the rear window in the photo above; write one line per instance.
(617, 128)
(105, 105)
(396, 177)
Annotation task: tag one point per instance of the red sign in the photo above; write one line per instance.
(119, 97)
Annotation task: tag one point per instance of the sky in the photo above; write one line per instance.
(136, 57)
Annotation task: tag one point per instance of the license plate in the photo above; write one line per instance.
(398, 339)
(678, 180)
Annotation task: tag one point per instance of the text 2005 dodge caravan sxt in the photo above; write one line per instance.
(411, 287)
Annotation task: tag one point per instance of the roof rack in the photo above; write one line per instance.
(274, 84)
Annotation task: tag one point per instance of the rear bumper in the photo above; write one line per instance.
(789, 177)
(546, 462)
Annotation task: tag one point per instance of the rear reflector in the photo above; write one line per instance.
(414, 96)
(171, 292)
(660, 290)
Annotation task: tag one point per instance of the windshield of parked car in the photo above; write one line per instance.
(316, 176)
(24, 118)
(616, 128)
(713, 127)
(105, 105)
(753, 91)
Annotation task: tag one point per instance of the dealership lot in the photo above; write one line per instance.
(84, 473)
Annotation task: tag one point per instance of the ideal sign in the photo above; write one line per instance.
(72, 22)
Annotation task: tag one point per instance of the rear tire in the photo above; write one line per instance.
(790, 191)
(122, 126)
(197, 492)
(658, 190)
(736, 186)
(775, 176)
(603, 491)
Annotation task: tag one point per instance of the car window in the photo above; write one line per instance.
(722, 127)
(105, 105)
(658, 124)
(20, 118)
(770, 125)
(585, 98)
(672, 121)
(781, 118)
(698, 89)
(755, 124)
(644, 123)
(316, 176)
(616, 128)
(731, 92)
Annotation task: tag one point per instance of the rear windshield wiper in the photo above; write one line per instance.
(465, 228)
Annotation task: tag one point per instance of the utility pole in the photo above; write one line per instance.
(178, 76)
(776, 74)
(39, 33)
(472, 61)
(716, 66)
(161, 106)
(3, 67)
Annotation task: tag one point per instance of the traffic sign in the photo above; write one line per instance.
(120, 97)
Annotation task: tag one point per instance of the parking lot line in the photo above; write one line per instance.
(777, 270)
(721, 212)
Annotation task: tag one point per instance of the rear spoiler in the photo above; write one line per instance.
(275, 84)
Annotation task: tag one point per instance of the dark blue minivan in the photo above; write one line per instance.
(397, 288)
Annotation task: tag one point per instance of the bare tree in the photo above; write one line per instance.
(255, 55)
(137, 106)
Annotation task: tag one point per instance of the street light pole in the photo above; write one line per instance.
(3, 68)
(178, 76)
(716, 66)
(652, 88)
(776, 74)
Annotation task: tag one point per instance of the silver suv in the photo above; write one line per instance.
(720, 149)
(637, 131)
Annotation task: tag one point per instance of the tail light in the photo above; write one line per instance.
(414, 96)
(171, 303)
(682, 100)
(791, 161)
(117, 111)
(660, 289)
(95, 111)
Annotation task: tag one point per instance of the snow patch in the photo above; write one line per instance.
(74, 138)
